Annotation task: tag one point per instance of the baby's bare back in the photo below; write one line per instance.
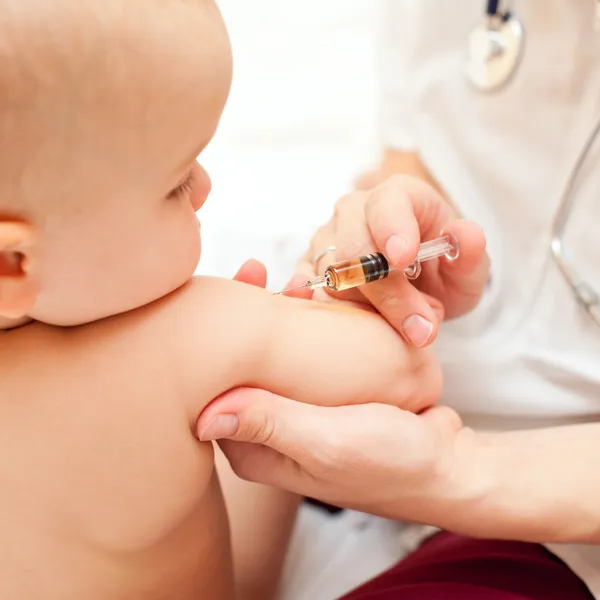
(106, 494)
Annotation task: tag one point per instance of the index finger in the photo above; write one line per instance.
(399, 213)
(400, 303)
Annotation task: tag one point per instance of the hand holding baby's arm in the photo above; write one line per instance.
(311, 449)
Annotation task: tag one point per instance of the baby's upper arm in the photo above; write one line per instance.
(224, 334)
(329, 355)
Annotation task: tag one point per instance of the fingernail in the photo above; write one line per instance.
(222, 426)
(417, 330)
(395, 247)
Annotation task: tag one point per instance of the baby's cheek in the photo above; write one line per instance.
(201, 188)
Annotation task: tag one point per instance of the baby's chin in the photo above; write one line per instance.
(85, 315)
(137, 296)
(108, 290)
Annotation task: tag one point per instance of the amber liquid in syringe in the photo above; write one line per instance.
(355, 272)
(361, 270)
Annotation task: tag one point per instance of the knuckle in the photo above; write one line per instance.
(260, 429)
(389, 300)
(391, 304)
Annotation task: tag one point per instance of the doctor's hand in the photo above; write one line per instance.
(374, 458)
(394, 218)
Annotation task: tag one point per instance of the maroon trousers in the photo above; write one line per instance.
(450, 567)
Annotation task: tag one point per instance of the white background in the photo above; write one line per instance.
(300, 124)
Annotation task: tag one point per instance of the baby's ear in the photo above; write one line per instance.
(18, 283)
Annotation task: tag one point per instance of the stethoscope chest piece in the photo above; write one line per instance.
(494, 53)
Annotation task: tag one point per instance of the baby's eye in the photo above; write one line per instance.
(183, 188)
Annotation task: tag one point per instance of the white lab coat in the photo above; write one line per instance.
(295, 132)
(527, 356)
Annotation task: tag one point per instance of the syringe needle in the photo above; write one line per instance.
(293, 289)
(308, 285)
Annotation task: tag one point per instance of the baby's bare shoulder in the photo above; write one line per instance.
(95, 430)
(187, 347)
(101, 411)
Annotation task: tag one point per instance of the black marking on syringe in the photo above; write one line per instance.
(375, 266)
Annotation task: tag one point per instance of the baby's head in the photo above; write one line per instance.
(104, 107)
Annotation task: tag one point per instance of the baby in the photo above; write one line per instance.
(110, 349)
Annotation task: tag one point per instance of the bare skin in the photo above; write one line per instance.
(107, 493)
(109, 349)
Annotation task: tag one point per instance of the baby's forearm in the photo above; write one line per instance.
(538, 486)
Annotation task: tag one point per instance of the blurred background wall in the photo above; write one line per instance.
(299, 126)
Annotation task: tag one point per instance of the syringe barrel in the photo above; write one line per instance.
(355, 272)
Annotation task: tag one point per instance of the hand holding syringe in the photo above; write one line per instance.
(355, 272)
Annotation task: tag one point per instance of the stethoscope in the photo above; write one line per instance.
(496, 46)
(585, 294)
(495, 49)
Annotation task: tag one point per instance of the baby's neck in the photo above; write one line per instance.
(6, 323)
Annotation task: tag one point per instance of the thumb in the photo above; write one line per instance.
(258, 417)
(464, 280)
(266, 437)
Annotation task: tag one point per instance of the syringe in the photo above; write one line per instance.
(355, 272)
